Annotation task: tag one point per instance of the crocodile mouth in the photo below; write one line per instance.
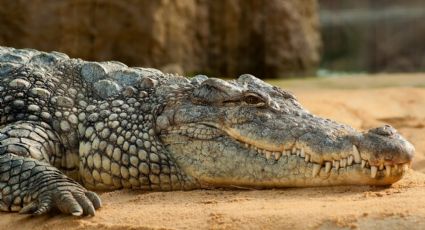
(353, 160)
(275, 153)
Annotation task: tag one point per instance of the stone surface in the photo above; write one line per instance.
(268, 38)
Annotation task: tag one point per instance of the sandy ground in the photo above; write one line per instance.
(362, 102)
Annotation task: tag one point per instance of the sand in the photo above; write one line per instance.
(386, 99)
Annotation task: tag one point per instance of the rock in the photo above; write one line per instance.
(267, 38)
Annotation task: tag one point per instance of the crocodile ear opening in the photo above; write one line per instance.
(214, 90)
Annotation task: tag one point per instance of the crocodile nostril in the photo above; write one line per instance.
(386, 130)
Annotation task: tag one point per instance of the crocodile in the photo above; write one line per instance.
(69, 126)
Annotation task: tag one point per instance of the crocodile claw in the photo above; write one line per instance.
(76, 202)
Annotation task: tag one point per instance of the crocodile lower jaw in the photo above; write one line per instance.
(352, 160)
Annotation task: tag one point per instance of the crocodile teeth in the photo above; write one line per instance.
(277, 155)
(350, 160)
(373, 171)
(343, 162)
(356, 155)
(316, 169)
(336, 164)
(328, 166)
(405, 167)
(387, 170)
(307, 158)
(363, 163)
(381, 166)
(268, 154)
(302, 153)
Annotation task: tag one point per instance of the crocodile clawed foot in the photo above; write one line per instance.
(70, 201)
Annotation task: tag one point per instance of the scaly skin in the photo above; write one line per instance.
(67, 125)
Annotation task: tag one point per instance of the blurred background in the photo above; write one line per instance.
(373, 35)
(226, 38)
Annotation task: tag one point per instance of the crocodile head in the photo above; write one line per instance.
(248, 133)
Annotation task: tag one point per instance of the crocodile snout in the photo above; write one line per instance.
(386, 130)
(385, 146)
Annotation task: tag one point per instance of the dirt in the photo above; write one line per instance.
(400, 206)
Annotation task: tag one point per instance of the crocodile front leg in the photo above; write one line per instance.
(28, 183)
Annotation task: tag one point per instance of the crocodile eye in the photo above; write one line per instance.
(253, 99)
